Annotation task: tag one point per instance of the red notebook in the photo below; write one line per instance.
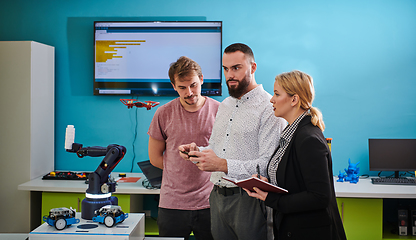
(251, 182)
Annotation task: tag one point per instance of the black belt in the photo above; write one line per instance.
(227, 191)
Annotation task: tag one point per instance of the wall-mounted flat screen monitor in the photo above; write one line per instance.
(392, 155)
(133, 57)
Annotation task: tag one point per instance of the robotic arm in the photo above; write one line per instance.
(99, 181)
(100, 185)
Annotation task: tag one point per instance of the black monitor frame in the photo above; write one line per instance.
(133, 57)
(392, 155)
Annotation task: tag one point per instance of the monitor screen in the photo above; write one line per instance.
(133, 58)
(392, 154)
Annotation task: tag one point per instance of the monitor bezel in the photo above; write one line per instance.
(374, 164)
(206, 89)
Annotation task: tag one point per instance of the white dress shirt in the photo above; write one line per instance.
(245, 133)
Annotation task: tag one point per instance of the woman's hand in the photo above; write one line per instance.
(259, 194)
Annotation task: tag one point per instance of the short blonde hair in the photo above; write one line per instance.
(301, 84)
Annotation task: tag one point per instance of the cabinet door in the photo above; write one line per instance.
(54, 200)
(362, 218)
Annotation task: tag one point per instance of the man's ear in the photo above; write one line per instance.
(253, 67)
(173, 85)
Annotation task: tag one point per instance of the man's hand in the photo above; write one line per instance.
(208, 161)
(187, 148)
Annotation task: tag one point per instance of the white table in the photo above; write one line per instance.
(365, 189)
(134, 189)
(131, 228)
(79, 186)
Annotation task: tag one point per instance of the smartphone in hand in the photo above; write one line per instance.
(187, 153)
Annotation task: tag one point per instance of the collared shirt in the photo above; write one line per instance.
(283, 144)
(245, 133)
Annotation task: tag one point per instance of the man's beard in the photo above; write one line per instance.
(197, 98)
(240, 89)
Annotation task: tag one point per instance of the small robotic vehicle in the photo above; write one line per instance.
(109, 215)
(60, 218)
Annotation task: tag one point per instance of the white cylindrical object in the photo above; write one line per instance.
(69, 136)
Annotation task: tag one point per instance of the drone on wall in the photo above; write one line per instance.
(135, 103)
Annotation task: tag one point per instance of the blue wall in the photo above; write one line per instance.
(361, 54)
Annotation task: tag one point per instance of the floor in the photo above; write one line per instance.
(20, 236)
(13, 236)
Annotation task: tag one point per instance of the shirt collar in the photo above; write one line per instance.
(290, 129)
(251, 95)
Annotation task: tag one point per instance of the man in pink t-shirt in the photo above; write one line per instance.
(184, 195)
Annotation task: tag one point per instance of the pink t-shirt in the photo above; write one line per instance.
(184, 186)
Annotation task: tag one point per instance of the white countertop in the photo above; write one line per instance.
(79, 186)
(365, 189)
(131, 228)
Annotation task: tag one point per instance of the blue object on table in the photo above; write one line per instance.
(352, 172)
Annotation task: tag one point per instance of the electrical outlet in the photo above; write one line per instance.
(147, 213)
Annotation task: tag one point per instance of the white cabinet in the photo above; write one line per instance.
(27, 123)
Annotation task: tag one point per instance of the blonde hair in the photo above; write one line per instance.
(301, 84)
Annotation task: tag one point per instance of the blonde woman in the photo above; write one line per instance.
(302, 164)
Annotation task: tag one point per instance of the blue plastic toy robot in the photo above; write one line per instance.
(352, 172)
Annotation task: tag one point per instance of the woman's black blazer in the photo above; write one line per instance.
(309, 210)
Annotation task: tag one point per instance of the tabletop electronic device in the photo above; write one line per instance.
(152, 173)
(397, 155)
